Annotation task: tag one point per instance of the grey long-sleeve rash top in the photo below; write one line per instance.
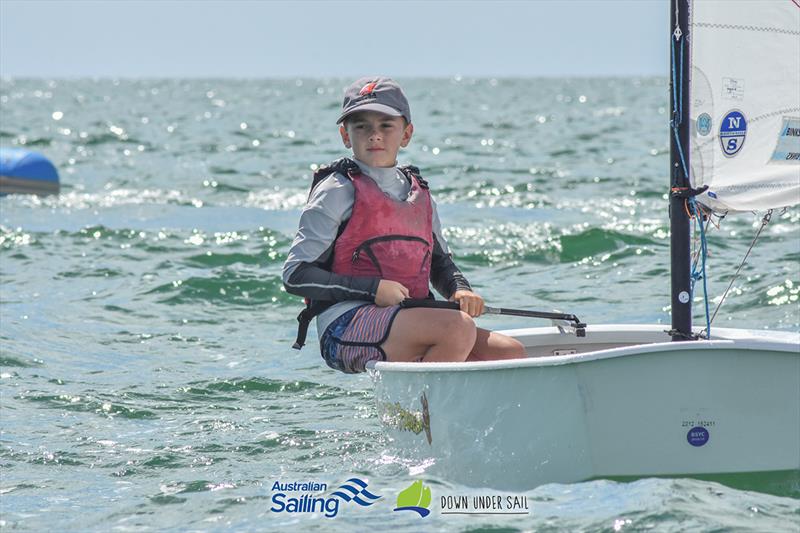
(331, 204)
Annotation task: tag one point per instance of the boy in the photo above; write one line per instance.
(369, 237)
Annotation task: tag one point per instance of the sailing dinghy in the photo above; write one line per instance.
(636, 400)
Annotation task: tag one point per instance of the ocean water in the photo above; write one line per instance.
(148, 380)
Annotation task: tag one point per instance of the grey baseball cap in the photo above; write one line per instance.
(380, 94)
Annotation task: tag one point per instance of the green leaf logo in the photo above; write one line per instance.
(416, 497)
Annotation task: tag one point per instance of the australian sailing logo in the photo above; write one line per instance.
(301, 497)
(732, 132)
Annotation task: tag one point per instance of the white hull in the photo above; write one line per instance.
(622, 405)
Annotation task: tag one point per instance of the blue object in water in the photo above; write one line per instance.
(26, 172)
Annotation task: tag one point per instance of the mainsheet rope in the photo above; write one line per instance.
(700, 274)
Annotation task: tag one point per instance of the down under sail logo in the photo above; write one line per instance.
(415, 498)
(732, 132)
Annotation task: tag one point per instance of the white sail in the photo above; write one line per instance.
(745, 103)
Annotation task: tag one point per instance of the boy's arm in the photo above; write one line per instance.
(446, 278)
(330, 204)
(311, 281)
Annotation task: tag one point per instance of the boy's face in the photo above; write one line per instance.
(376, 138)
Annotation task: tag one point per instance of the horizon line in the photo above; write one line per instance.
(454, 77)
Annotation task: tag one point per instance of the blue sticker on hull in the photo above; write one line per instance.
(697, 436)
(732, 132)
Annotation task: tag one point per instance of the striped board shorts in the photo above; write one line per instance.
(355, 338)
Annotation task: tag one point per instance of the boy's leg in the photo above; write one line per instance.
(491, 346)
(430, 335)
(442, 335)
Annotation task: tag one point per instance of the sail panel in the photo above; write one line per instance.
(745, 103)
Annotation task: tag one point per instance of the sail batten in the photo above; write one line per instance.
(745, 103)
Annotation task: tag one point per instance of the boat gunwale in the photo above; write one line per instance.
(739, 339)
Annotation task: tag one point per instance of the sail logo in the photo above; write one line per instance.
(787, 147)
(732, 132)
(417, 498)
(704, 124)
(303, 499)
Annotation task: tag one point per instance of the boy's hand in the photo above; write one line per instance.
(471, 303)
(390, 293)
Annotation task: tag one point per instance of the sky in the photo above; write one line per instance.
(263, 39)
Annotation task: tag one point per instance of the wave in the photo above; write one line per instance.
(10, 361)
(256, 385)
(88, 403)
(599, 241)
(227, 287)
(541, 243)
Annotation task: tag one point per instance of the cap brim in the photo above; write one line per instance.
(380, 108)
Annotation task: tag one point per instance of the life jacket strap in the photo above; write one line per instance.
(409, 171)
(304, 318)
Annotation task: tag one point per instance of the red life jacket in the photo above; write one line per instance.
(387, 238)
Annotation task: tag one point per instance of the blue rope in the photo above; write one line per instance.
(672, 65)
(680, 85)
(677, 103)
(701, 274)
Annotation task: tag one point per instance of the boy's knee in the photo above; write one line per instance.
(515, 346)
(466, 327)
(465, 321)
(459, 323)
(508, 347)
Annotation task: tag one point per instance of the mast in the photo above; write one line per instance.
(679, 220)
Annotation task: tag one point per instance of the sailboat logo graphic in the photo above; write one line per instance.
(704, 124)
(416, 497)
(732, 131)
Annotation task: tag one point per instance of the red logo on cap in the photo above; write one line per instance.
(368, 88)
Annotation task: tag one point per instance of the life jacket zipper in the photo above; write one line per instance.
(424, 260)
(373, 240)
(367, 247)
